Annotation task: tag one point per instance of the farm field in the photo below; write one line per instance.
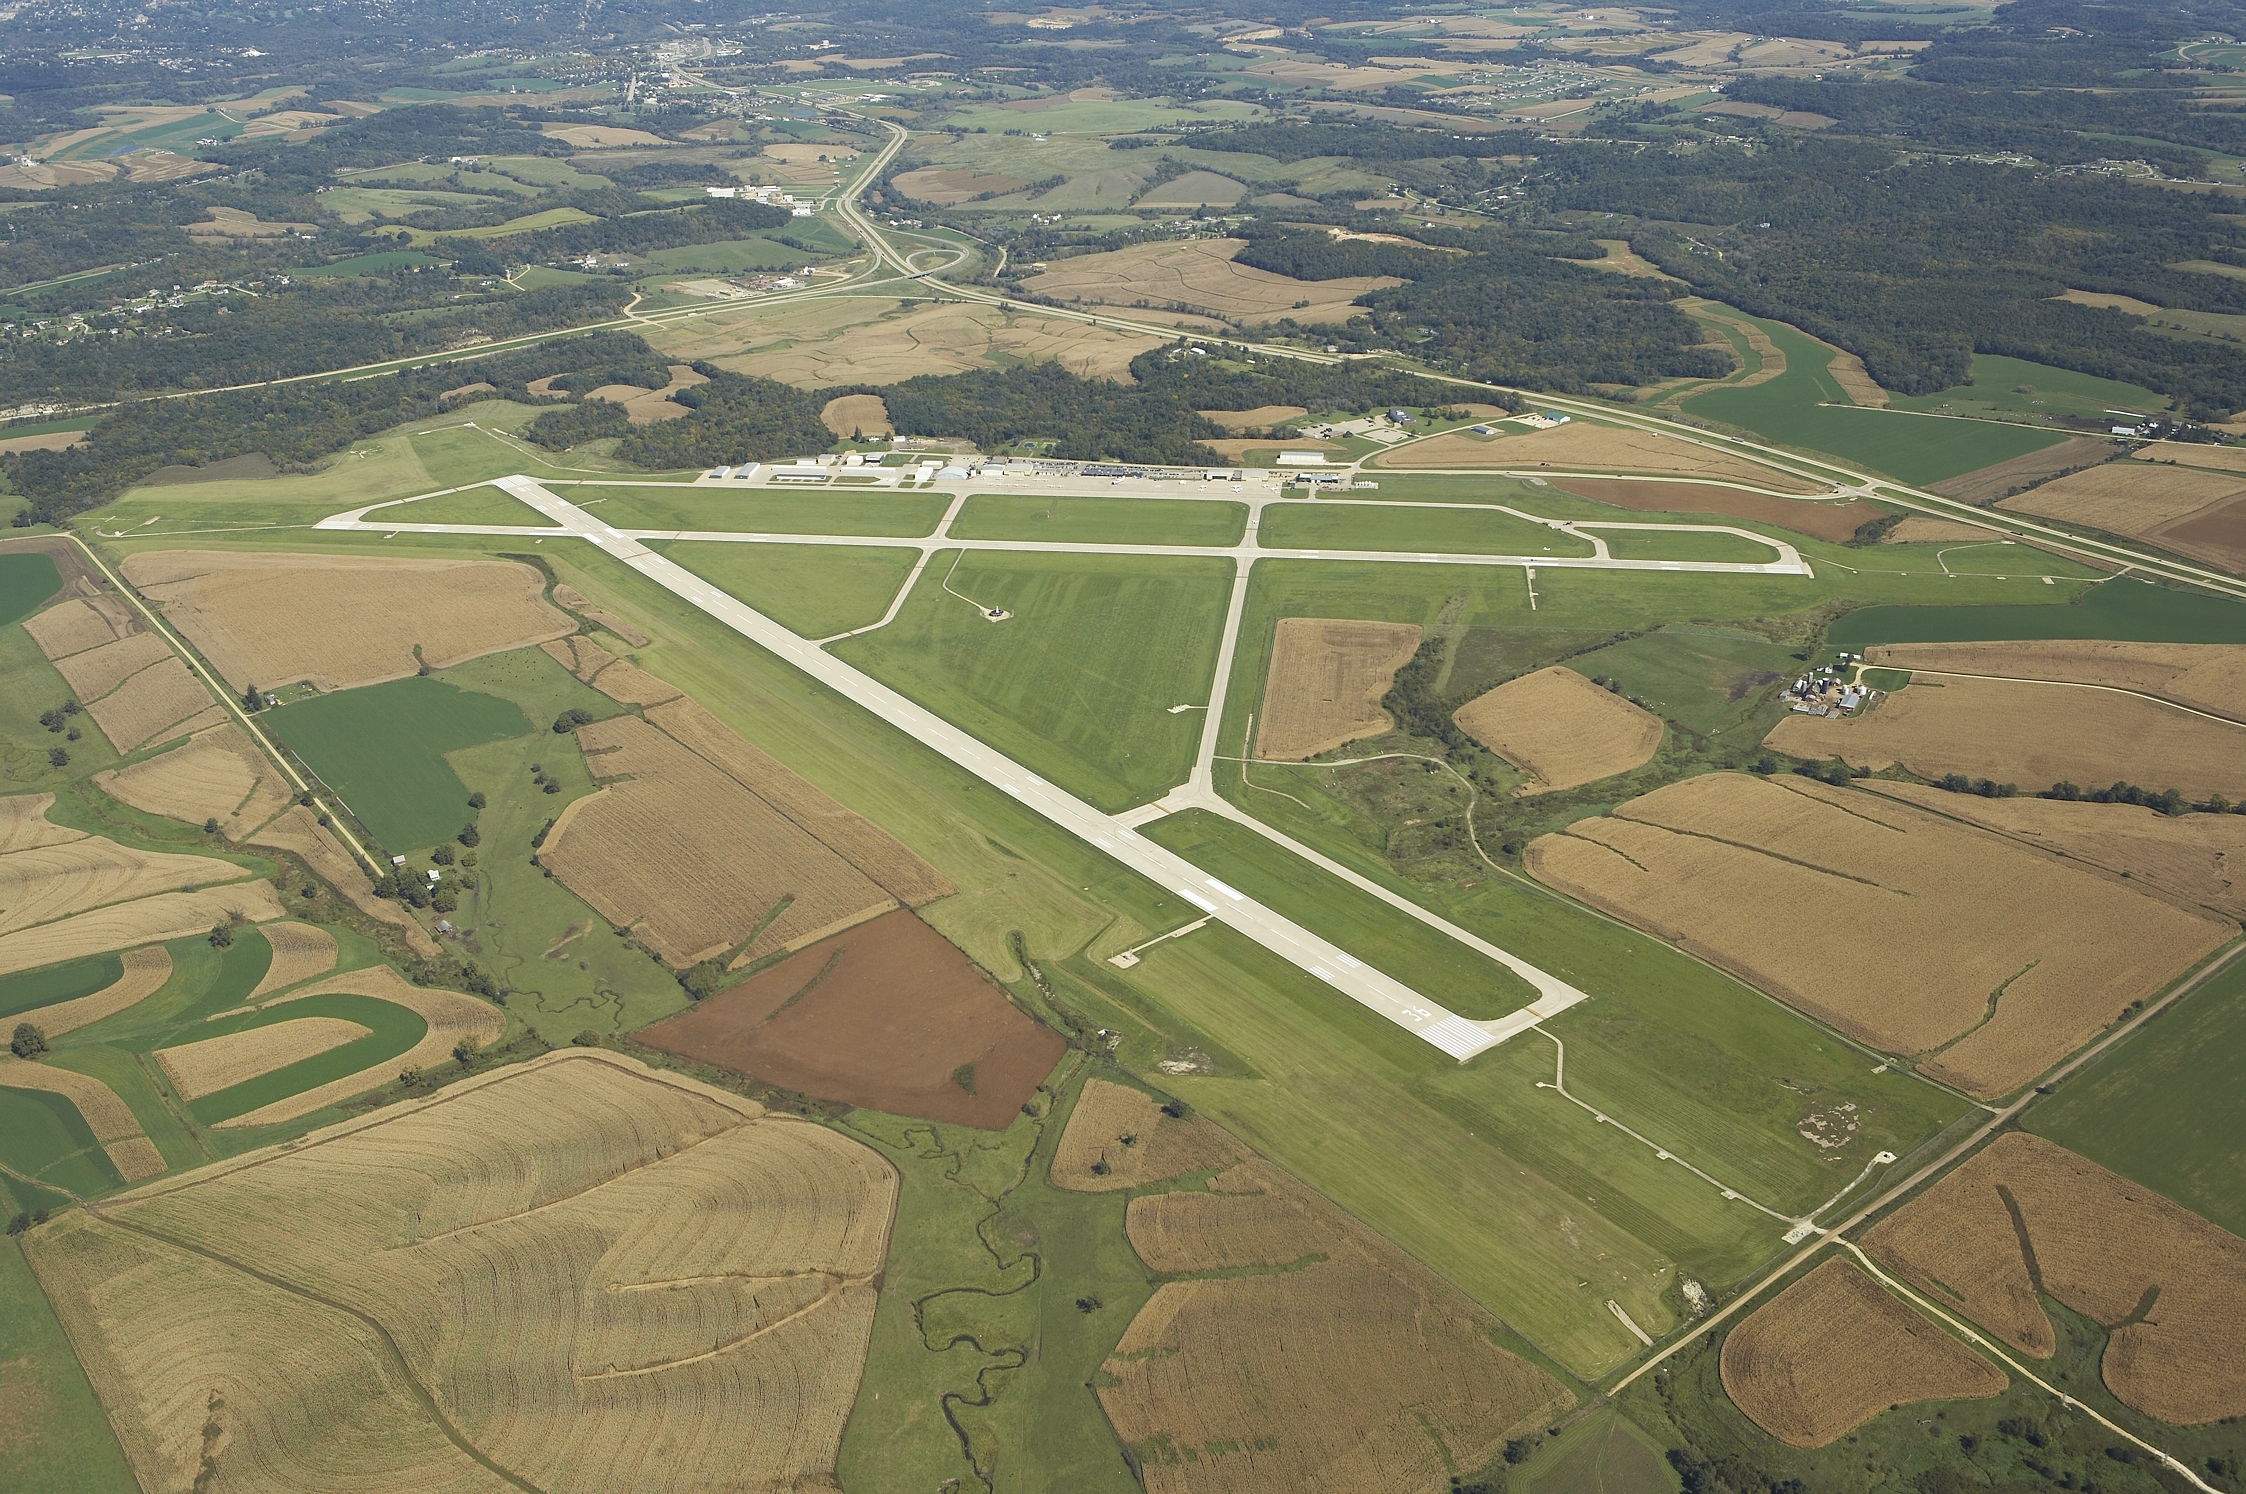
(2035, 735)
(1122, 1138)
(1834, 1349)
(902, 515)
(1601, 1454)
(1732, 868)
(888, 1016)
(1580, 445)
(1561, 729)
(2187, 510)
(1708, 679)
(1327, 678)
(1198, 275)
(58, 1440)
(1077, 685)
(2121, 610)
(2167, 1284)
(573, 1214)
(1100, 521)
(382, 749)
(2207, 677)
(1458, 531)
(815, 591)
(27, 580)
(2166, 1108)
(217, 774)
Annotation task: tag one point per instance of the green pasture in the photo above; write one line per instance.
(437, 173)
(1113, 117)
(482, 504)
(368, 264)
(1077, 685)
(30, 989)
(31, 686)
(1100, 521)
(1391, 941)
(757, 511)
(815, 591)
(546, 171)
(1455, 531)
(27, 579)
(1604, 1453)
(59, 1442)
(729, 257)
(1804, 408)
(48, 1152)
(2167, 1107)
(2122, 609)
(1709, 679)
(2016, 387)
(392, 1031)
(1685, 544)
(382, 750)
(528, 223)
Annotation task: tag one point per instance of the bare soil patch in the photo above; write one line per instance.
(79, 624)
(2204, 676)
(299, 832)
(339, 621)
(850, 415)
(2196, 859)
(2026, 1216)
(149, 920)
(300, 951)
(698, 866)
(163, 699)
(1257, 1383)
(2031, 734)
(1119, 1137)
(888, 1015)
(1325, 683)
(452, 1019)
(1920, 530)
(216, 775)
(1561, 729)
(55, 881)
(1834, 1350)
(2191, 510)
(144, 975)
(2000, 957)
(133, 1155)
(1581, 446)
(1198, 275)
(577, 602)
(206, 1067)
(653, 1267)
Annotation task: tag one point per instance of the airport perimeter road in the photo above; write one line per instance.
(1370, 988)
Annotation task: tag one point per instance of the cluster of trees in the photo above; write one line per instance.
(1359, 140)
(2168, 801)
(734, 418)
(1086, 419)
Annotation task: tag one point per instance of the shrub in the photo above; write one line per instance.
(29, 1041)
(575, 716)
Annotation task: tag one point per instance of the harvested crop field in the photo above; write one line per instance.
(618, 679)
(145, 971)
(871, 341)
(301, 834)
(1326, 680)
(151, 920)
(205, 1068)
(577, 602)
(646, 406)
(849, 415)
(2034, 735)
(1999, 956)
(950, 186)
(1817, 519)
(1581, 445)
(2205, 676)
(102, 669)
(640, 1269)
(165, 699)
(888, 1015)
(133, 1155)
(452, 1019)
(24, 824)
(1920, 530)
(340, 621)
(1256, 419)
(2190, 510)
(300, 951)
(2170, 1285)
(2194, 858)
(1119, 1137)
(216, 775)
(1988, 484)
(81, 623)
(55, 881)
(1560, 729)
(1834, 1350)
(1257, 1380)
(694, 863)
(1198, 275)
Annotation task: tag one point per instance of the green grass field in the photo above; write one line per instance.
(1100, 521)
(1077, 685)
(484, 504)
(1706, 678)
(814, 590)
(2123, 610)
(2167, 1108)
(1392, 942)
(43, 987)
(1804, 408)
(392, 1030)
(898, 515)
(1454, 531)
(368, 264)
(27, 579)
(2016, 387)
(1684, 544)
(382, 750)
(31, 687)
(49, 1153)
(1602, 1454)
(58, 1441)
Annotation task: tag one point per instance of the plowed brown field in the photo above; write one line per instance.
(1819, 520)
(1834, 1350)
(1355, 1372)
(2204, 676)
(108, 1117)
(1118, 1137)
(217, 775)
(1560, 729)
(2034, 735)
(341, 620)
(602, 1280)
(2170, 1285)
(2007, 956)
(1325, 683)
(163, 699)
(206, 1067)
(145, 971)
(889, 1016)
